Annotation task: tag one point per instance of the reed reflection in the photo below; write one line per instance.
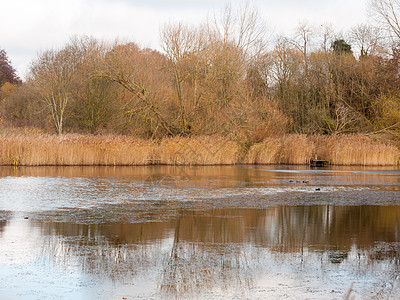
(217, 176)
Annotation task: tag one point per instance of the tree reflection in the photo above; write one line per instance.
(196, 263)
(4, 217)
(201, 250)
(3, 224)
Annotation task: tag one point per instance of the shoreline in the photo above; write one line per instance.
(28, 149)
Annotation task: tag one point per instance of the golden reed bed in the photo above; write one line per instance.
(26, 149)
(354, 149)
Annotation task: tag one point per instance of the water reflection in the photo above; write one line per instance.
(55, 188)
(217, 176)
(196, 251)
(3, 223)
(197, 232)
(281, 229)
(4, 217)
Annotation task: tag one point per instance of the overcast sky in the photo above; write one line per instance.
(31, 26)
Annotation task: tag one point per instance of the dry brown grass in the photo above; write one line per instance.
(38, 149)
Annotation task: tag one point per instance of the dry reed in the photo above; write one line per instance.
(298, 149)
(38, 149)
(354, 149)
(73, 150)
(292, 149)
(202, 150)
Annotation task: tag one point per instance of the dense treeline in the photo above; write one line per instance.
(222, 77)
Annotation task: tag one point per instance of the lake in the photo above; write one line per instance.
(216, 232)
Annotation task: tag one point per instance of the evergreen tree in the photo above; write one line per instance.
(340, 47)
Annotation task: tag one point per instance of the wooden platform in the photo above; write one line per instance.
(153, 161)
(319, 163)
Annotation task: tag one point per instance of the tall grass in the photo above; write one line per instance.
(38, 149)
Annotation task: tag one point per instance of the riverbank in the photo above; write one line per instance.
(30, 149)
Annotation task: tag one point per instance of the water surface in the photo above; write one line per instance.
(199, 232)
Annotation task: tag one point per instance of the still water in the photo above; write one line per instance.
(256, 232)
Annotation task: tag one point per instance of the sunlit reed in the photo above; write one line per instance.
(354, 149)
(336, 150)
(38, 149)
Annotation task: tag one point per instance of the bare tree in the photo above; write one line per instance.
(327, 35)
(58, 74)
(245, 30)
(182, 45)
(93, 97)
(53, 72)
(302, 40)
(387, 14)
(139, 72)
(366, 38)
